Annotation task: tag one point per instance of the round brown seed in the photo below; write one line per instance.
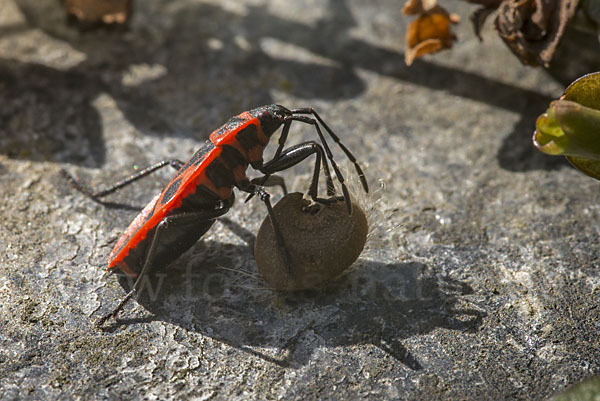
(322, 241)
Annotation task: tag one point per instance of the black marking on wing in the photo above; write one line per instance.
(170, 191)
(232, 157)
(219, 174)
(248, 137)
(202, 199)
(200, 153)
(198, 157)
(230, 125)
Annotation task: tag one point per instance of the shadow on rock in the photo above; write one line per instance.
(47, 114)
(378, 304)
(203, 74)
(213, 63)
(576, 56)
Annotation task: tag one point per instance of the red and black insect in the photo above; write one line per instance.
(202, 188)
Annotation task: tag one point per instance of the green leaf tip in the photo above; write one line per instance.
(570, 126)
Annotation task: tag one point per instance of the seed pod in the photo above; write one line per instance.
(322, 242)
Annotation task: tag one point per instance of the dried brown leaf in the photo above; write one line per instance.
(429, 33)
(532, 29)
(95, 11)
(415, 7)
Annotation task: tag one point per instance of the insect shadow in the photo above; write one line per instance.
(376, 303)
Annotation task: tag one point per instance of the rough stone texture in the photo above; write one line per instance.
(479, 279)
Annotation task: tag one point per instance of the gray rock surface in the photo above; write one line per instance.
(479, 279)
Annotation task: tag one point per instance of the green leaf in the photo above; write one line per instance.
(586, 166)
(549, 136)
(585, 91)
(569, 129)
(571, 126)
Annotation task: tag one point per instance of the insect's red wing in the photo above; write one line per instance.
(180, 186)
(124, 242)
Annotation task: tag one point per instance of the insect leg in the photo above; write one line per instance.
(266, 198)
(282, 141)
(270, 180)
(181, 218)
(283, 138)
(95, 194)
(336, 139)
(296, 154)
(338, 173)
